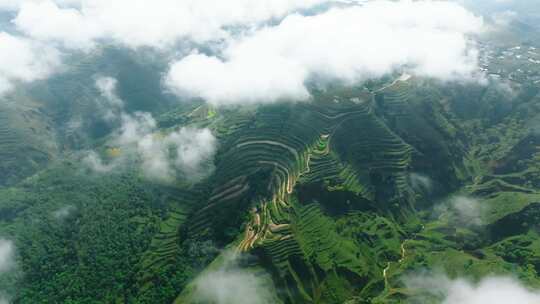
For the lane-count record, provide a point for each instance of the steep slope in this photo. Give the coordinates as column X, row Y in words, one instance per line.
column 300, row 168
column 28, row 140
column 334, row 200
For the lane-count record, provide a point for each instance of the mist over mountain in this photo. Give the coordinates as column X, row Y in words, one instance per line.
column 269, row 151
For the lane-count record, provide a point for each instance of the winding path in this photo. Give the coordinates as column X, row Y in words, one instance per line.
column 403, row 255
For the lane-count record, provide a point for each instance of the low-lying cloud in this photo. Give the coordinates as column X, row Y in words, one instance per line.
column 140, row 23
column 43, row 28
column 94, row 161
column 24, row 60
column 421, row 183
column 7, row 255
column 188, row 152
column 468, row 210
column 230, row 284
column 262, row 51
column 462, row 209
column 15, row 5
column 493, row 290
column 7, row 265
column 504, row 19
column 194, row 148
column 63, row 212
column 185, row 153
column 350, row 44
column 109, row 101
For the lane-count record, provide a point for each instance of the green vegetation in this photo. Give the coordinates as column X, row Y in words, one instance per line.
column 93, row 239
column 336, row 200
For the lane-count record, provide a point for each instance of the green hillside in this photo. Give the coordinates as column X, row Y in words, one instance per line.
column 335, row 200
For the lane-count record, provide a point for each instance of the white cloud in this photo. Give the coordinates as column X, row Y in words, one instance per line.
column 246, row 79
column 63, row 212
column 504, row 19
column 14, row 5
column 7, row 255
column 259, row 60
column 232, row 285
column 137, row 23
column 420, row 182
column 493, row 290
column 10, row 4
column 187, row 151
column 7, row 264
column 107, row 88
column 93, row 161
column 467, row 209
column 46, row 21
column 135, row 126
column 110, row 104
column 195, row 148
column 23, row 60
column 154, row 153
column 462, row 210
column 348, row 44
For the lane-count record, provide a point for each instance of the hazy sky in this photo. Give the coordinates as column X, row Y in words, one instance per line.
column 260, row 51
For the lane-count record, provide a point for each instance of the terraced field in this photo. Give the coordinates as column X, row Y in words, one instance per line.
column 332, row 194
column 291, row 165
column 27, row 142
column 164, row 247
column 8, row 139
column 333, row 200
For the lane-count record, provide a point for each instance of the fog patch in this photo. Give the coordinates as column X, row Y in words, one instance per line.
column 421, row 183
column 230, row 284
column 507, row 89
column 184, row 153
column 7, row 265
column 462, row 209
column 64, row 212
column 494, row 290
column 534, row 125
column 187, row 152
column 7, row 256
column 94, row 161
column 24, row 60
column 134, row 127
column 194, row 149
column 468, row 209
column 504, row 19
column 109, row 103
